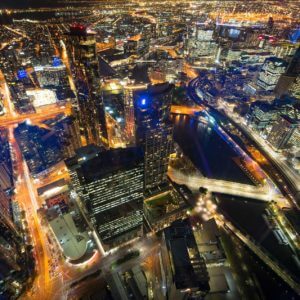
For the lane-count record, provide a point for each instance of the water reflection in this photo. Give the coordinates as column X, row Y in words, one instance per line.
column 210, row 154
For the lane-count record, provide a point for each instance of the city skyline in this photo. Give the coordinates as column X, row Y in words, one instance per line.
column 149, row 150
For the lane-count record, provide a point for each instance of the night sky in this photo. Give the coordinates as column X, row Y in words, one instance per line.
column 26, row 3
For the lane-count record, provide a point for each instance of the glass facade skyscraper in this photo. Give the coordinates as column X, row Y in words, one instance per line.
column 111, row 187
column 154, row 132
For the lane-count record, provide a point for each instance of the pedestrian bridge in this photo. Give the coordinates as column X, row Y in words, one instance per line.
column 194, row 181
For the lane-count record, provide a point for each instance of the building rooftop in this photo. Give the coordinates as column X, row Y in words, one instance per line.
column 56, row 184
column 190, row 271
column 110, row 161
column 73, row 243
column 291, row 120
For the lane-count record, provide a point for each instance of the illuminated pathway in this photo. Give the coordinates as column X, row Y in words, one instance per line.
column 185, row 110
column 261, row 254
column 212, row 211
column 194, row 182
column 276, row 158
column 255, row 167
column 26, row 198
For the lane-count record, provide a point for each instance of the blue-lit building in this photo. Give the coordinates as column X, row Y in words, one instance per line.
column 154, row 132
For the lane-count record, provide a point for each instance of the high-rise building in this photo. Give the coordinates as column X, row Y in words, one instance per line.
column 82, row 43
column 82, row 50
column 112, row 98
column 294, row 89
column 185, row 269
column 289, row 80
column 154, row 131
column 110, row 185
column 6, row 172
column 293, row 68
column 270, row 73
column 67, row 130
column 285, row 132
column 129, row 91
column 40, row 147
column 262, row 115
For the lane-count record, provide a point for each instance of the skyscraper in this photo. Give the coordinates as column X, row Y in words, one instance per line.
column 129, row 92
column 81, row 43
column 154, row 132
column 67, row 131
column 270, row 73
column 40, row 147
column 289, row 80
column 110, row 185
column 285, row 132
column 293, row 68
column 85, row 65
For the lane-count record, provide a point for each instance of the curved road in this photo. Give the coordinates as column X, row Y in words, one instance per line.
column 279, row 174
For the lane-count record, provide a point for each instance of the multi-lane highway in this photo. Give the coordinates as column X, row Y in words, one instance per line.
column 43, row 285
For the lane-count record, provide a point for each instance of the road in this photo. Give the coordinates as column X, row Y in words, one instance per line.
column 273, row 174
column 228, row 226
column 275, row 158
column 52, row 272
column 213, row 211
column 185, row 110
column 43, row 286
column 262, row 255
column 45, row 113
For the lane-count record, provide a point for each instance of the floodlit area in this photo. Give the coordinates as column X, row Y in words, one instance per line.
column 42, row 97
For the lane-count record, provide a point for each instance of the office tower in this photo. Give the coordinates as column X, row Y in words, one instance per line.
column 82, row 43
column 136, row 45
column 5, row 176
column 129, row 91
column 68, row 133
column 270, row 73
column 293, row 68
column 5, row 206
column 184, row 267
column 6, row 172
column 288, row 81
column 294, row 89
column 154, row 132
column 112, row 98
column 97, row 119
column 110, row 185
column 270, row 25
column 85, row 65
column 40, row 147
column 262, row 114
column 285, row 132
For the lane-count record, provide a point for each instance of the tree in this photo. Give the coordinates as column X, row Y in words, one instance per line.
column 203, row 191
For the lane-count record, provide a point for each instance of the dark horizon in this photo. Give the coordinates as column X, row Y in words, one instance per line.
column 23, row 4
